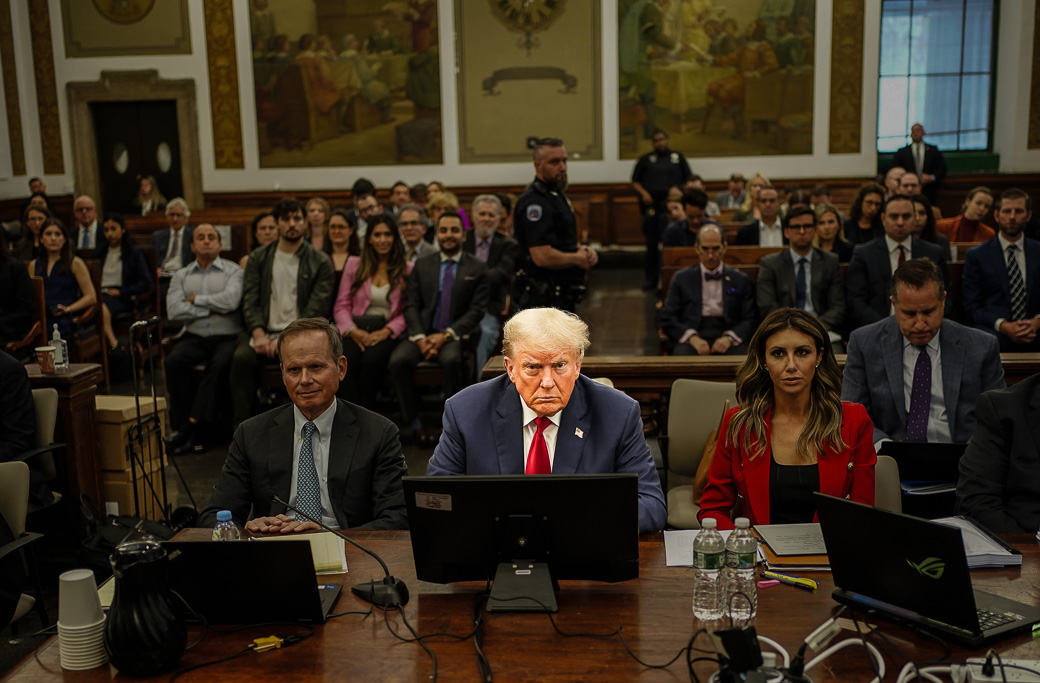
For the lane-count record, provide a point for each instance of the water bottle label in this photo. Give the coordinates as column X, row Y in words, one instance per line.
column 741, row 560
column 216, row 534
column 708, row 560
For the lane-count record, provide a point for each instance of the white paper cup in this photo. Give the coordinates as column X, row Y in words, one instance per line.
column 78, row 601
column 82, row 648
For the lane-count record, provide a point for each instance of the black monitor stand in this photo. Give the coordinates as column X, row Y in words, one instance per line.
column 522, row 585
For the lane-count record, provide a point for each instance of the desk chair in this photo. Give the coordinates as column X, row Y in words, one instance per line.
column 694, row 407
column 14, row 500
column 46, row 403
column 887, row 493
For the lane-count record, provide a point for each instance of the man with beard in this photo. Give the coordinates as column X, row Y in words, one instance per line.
column 552, row 265
column 498, row 251
column 284, row 280
column 656, row 172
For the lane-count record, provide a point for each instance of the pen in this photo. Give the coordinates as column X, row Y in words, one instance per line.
column 807, row 584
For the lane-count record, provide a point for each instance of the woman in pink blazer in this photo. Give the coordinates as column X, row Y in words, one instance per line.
column 369, row 309
column 791, row 435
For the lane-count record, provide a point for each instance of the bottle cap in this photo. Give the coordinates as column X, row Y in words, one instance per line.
column 224, row 516
column 710, row 523
column 742, row 522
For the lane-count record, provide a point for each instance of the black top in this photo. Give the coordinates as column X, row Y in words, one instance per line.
column 543, row 216
column 842, row 249
column 790, row 492
column 659, row 171
column 857, row 235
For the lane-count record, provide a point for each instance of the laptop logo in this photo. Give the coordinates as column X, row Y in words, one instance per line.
column 932, row 567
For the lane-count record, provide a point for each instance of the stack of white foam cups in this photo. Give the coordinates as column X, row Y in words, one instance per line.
column 81, row 623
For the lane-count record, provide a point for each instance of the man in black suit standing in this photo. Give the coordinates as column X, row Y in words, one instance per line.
column 868, row 283
column 769, row 230
column 710, row 307
column 923, row 159
column 331, row 459
column 446, row 298
column 498, row 251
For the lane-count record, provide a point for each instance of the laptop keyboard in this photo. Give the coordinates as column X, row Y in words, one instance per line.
column 988, row 620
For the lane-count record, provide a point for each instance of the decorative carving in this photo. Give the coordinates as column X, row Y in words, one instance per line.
column 1034, row 105
column 223, row 84
column 46, row 90
column 14, row 112
column 846, row 118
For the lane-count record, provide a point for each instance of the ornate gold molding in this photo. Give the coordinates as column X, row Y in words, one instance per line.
column 846, row 118
column 1034, row 106
column 46, row 90
column 225, row 110
column 11, row 98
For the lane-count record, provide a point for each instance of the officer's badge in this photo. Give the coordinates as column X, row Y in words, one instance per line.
column 675, row 157
column 653, row 158
column 534, row 212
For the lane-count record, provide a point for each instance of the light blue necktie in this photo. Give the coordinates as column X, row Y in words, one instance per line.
column 308, row 495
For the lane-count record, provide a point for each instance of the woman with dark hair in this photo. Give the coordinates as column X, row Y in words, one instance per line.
column 124, row 273
column 924, row 224
column 791, row 434
column 830, row 232
column 18, row 303
column 263, row 231
column 341, row 242
column 67, row 288
column 369, row 310
column 864, row 223
column 29, row 248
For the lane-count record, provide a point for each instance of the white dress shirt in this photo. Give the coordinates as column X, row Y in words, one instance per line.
column 321, row 442
column 530, row 429
column 938, row 423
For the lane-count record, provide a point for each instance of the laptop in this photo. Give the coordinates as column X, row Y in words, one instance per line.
column 913, row 570
column 925, row 461
column 244, row 582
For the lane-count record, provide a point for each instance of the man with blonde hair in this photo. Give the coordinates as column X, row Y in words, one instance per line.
column 544, row 417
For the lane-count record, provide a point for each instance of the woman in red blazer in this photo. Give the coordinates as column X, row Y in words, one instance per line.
column 791, row 435
column 369, row 309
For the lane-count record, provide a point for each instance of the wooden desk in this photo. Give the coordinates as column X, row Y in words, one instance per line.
column 655, row 611
column 77, row 424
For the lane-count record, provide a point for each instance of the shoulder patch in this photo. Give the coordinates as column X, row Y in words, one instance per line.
column 534, row 212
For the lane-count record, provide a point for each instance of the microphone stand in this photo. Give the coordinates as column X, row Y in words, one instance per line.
column 389, row 592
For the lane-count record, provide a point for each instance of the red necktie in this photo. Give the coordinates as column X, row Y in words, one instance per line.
column 902, row 255
column 538, row 456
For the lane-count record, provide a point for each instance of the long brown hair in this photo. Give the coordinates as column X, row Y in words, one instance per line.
column 66, row 255
column 755, row 390
column 396, row 265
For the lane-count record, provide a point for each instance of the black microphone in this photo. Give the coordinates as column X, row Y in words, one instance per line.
column 389, row 592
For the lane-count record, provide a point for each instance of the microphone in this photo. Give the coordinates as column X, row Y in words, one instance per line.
column 389, row 592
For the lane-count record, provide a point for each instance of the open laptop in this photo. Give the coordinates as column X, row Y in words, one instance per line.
column 925, row 461
column 913, row 570
column 242, row 582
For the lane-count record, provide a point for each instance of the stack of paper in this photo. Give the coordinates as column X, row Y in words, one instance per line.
column 982, row 548
column 678, row 546
column 793, row 547
column 328, row 550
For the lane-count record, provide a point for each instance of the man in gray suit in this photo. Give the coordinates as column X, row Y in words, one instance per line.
column 802, row 276
column 918, row 375
column 331, row 459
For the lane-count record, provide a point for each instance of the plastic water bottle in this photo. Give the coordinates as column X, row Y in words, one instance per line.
column 709, row 553
column 225, row 530
column 741, row 558
column 61, row 350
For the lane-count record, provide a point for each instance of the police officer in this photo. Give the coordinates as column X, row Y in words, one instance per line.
column 654, row 174
column 552, row 265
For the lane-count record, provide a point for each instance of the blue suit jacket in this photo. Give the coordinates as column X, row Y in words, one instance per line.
column 868, row 283
column 874, row 375
column 985, row 289
column 483, row 434
column 682, row 307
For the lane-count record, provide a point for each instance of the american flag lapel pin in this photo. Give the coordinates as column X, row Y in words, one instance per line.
column 578, row 433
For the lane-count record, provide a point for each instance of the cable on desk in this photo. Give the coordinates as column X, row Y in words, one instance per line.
column 422, row 644
column 199, row 617
column 180, row 672
column 895, row 648
column 365, row 614
column 483, row 664
column 841, row 645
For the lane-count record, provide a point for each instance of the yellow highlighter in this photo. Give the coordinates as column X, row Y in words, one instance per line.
column 807, row 584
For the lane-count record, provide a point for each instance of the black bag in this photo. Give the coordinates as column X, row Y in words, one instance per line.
column 108, row 531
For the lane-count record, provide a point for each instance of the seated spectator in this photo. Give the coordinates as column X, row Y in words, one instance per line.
column 683, row 232
column 419, row 192
column 438, row 204
column 341, row 243
column 400, row 195
column 768, row 230
column 362, row 188
column 695, row 182
column 149, row 198
column 124, row 273
column 796, row 198
column 317, row 210
column 999, row 474
column 505, row 227
column 369, row 309
column 830, row 232
column 412, row 223
column 67, row 288
column 820, row 194
column 733, row 196
column 924, row 224
column 18, row 303
column 29, row 248
column 864, row 222
column 802, row 276
column 437, row 187
column 283, row 281
column 968, row 227
column 710, row 307
column 917, row 374
column 173, row 245
column 367, row 207
column 909, row 184
column 868, row 283
column 791, row 434
column 891, row 180
column 1001, row 280
column 264, row 230
column 446, row 298
column 206, row 294
column 748, row 209
column 499, row 253
column 675, row 210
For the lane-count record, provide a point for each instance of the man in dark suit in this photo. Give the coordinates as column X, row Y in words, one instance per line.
column 923, row 159
column 803, row 277
column 498, row 251
column 88, row 232
column 869, row 280
column 411, row 220
column 331, row 459
column 173, row 244
column 1000, row 470
column 447, row 296
column 995, row 297
column 544, row 417
column 769, row 230
column 918, row 375
column 710, row 308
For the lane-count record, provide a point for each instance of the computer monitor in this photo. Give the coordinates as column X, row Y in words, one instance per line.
column 524, row 532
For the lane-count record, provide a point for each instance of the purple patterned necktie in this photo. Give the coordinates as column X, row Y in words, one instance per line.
column 920, row 398
column 444, row 307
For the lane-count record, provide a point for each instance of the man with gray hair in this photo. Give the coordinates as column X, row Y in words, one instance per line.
column 411, row 221
column 544, row 417
column 87, row 229
column 173, row 244
column 498, row 251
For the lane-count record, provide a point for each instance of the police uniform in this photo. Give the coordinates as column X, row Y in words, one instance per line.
column 657, row 172
column 543, row 216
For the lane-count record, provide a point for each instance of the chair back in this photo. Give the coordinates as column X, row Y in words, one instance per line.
column 887, row 493
column 46, row 402
column 14, row 494
column 694, row 409
column 605, row 381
